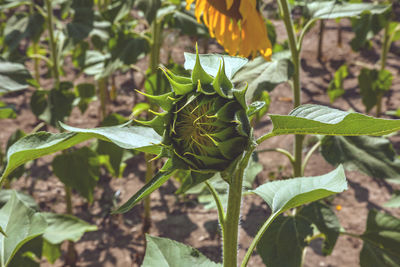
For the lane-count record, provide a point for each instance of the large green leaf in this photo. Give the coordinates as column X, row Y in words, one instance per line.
column 263, row 75
column 335, row 9
column 28, row 254
column 381, row 241
column 164, row 252
column 63, row 227
column 13, row 77
column 211, row 63
column 284, row 241
column 316, row 119
column 39, row 144
column 20, row 224
column 373, row 156
column 326, row 222
column 286, row 194
column 79, row 170
column 141, row 138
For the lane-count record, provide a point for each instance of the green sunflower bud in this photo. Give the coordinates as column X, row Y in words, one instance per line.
column 205, row 124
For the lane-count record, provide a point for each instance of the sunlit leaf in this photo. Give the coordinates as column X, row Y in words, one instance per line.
column 63, row 227
column 286, row 194
column 168, row 253
column 316, row 119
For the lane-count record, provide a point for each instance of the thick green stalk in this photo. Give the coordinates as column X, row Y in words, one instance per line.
column 385, row 50
column 231, row 225
column 286, row 16
column 53, row 49
column 156, row 42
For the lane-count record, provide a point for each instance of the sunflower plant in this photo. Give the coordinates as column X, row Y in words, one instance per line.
column 203, row 129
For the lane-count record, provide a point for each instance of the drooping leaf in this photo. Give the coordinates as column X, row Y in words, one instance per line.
column 286, row 194
column 211, row 62
column 21, row 224
column 13, row 77
column 149, row 8
column 373, row 156
column 381, row 241
column 283, row 242
column 263, row 75
column 62, row 227
column 140, row 138
column 79, row 170
column 334, row 9
column 326, row 222
column 316, row 119
column 39, row 144
column 168, row 253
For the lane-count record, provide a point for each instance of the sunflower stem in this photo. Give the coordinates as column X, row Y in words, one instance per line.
column 53, row 49
column 218, row 203
column 295, row 51
column 385, row 50
column 231, row 224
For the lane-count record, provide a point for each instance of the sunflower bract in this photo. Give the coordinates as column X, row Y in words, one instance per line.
column 204, row 123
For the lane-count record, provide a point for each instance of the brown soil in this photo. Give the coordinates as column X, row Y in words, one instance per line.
column 119, row 240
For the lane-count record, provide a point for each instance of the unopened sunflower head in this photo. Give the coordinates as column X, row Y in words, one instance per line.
column 204, row 123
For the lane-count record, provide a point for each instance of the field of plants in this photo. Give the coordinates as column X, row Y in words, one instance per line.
column 199, row 133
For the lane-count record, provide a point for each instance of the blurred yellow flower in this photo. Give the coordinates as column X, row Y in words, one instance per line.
column 236, row 24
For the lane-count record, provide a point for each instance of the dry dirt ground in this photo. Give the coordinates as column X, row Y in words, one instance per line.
column 119, row 241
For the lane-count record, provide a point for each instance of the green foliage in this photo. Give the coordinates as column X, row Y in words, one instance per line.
column 169, row 253
column 79, row 170
column 326, row 222
column 85, row 93
column 372, row 83
column 286, row 194
column 13, row 77
column 316, row 119
column 334, row 10
column 54, row 105
column 283, row 242
column 39, row 144
column 7, row 112
column 63, row 227
column 336, row 88
column 263, row 75
column 373, row 156
column 6, row 195
column 381, row 241
column 20, row 224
